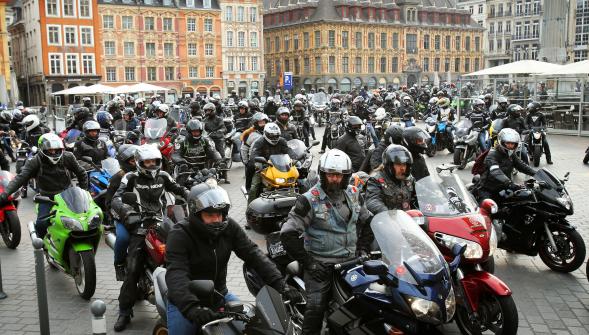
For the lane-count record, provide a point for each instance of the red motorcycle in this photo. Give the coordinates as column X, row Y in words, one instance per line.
column 9, row 222
column 449, row 214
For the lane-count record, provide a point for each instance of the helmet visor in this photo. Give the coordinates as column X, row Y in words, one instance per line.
column 213, row 199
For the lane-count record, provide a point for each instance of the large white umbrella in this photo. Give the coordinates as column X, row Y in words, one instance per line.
column 519, row 67
column 143, row 87
column 78, row 90
column 579, row 68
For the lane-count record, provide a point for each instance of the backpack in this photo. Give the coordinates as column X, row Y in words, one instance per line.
column 479, row 163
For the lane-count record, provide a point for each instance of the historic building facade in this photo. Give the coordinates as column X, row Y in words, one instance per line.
column 5, row 76
column 54, row 46
column 243, row 66
column 174, row 44
column 346, row 44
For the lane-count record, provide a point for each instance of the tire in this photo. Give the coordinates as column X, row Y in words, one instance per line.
column 586, row 159
column 489, row 265
column 11, row 234
column 458, row 157
column 160, row 328
column 85, row 276
column 569, row 242
column 507, row 324
column 228, row 156
column 431, row 150
column 450, row 145
column 537, row 155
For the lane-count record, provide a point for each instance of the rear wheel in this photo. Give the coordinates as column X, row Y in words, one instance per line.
column 496, row 315
column 160, row 328
column 586, row 159
column 570, row 253
column 11, row 229
column 458, row 153
column 228, row 156
column 537, row 155
column 85, row 274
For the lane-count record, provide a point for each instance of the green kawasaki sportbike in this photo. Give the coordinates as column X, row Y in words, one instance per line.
column 73, row 236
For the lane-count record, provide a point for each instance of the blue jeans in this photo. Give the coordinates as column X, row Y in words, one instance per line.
column 121, row 243
column 179, row 325
column 372, row 133
column 42, row 225
column 482, row 142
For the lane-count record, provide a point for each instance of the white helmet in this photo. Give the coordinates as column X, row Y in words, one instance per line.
column 147, row 152
column 380, row 113
column 48, row 142
column 338, row 162
column 272, row 133
column 163, row 108
column 139, row 101
column 31, row 122
column 508, row 135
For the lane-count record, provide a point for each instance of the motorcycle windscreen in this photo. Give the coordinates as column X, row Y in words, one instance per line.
column 76, row 199
column 444, row 196
column 319, row 98
column 298, row 148
column 555, row 188
column 155, row 128
column 405, row 247
column 463, row 127
column 5, row 179
column 281, row 162
column 497, row 125
column 111, row 166
column 120, row 124
column 271, row 311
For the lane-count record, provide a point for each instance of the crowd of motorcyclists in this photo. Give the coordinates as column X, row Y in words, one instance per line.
column 370, row 132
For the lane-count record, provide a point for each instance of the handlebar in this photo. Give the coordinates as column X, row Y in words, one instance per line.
column 355, row 261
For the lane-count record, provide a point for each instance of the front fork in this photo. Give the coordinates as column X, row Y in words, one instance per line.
column 463, row 298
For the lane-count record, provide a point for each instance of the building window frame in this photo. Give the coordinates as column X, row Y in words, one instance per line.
column 151, row 72
column 57, row 59
column 55, row 8
column 111, row 74
column 72, row 30
column 71, row 4
column 108, row 50
column 130, row 73
column 85, row 7
column 87, row 31
column 51, row 34
column 72, row 57
column 88, row 57
column 191, row 24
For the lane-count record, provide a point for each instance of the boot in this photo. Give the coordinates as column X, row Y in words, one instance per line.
column 120, row 272
column 122, row 322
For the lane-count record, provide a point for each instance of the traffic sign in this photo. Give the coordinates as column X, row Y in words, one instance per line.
column 287, row 80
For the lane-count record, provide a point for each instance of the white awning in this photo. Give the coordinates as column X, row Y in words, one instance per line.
column 578, row 68
column 519, row 67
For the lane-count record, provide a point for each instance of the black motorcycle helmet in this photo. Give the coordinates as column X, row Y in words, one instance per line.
column 534, row 107
column 393, row 135
column 194, row 108
column 478, row 106
column 488, row 99
column 514, row 111
column 354, row 125
column 416, row 139
column 124, row 155
column 193, row 125
column 133, row 137
column 396, row 154
column 208, row 197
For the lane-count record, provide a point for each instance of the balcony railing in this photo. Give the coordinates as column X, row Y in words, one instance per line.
column 499, row 14
column 520, row 37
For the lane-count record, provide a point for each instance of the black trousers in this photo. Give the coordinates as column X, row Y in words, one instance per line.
column 318, row 295
column 135, row 262
column 250, row 171
column 4, row 164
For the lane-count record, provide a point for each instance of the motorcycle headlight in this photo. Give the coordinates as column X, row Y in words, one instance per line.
column 565, row 200
column 280, row 180
column 95, row 222
column 71, row 224
column 473, row 249
column 425, row 310
column 450, row 304
column 492, row 241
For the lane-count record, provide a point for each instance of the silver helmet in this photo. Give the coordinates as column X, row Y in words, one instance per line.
column 148, row 152
column 508, row 135
column 335, row 162
column 272, row 133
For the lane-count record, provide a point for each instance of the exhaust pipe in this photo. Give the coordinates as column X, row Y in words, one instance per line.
column 244, row 191
column 110, row 240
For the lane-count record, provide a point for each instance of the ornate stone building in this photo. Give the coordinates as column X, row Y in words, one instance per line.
column 174, row 44
column 243, row 69
column 346, row 44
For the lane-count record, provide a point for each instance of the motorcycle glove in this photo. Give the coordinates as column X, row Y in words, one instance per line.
column 291, row 294
column 202, row 315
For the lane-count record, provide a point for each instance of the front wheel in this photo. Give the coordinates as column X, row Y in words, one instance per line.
column 586, row 159
column 537, row 154
column 458, row 153
column 570, row 253
column 11, row 230
column 496, row 315
column 228, row 156
column 85, row 274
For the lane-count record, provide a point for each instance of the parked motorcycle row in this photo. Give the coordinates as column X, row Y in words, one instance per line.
column 434, row 265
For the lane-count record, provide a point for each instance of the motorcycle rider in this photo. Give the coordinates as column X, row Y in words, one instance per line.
column 335, row 228
column 287, row 130
column 87, row 102
column 34, row 129
column 148, row 183
column 162, row 112
column 349, row 143
column 415, row 139
column 126, row 158
column 479, row 114
column 271, row 144
column 195, row 150
column 299, row 116
column 248, row 138
column 195, row 112
column 139, row 106
column 392, row 186
column 270, row 108
column 333, row 108
column 445, row 112
column 488, row 99
column 51, row 167
column 393, row 135
column 499, row 111
column 129, row 120
column 199, row 248
column 499, row 165
column 90, row 145
column 243, row 117
column 215, row 128
column 81, row 116
column 536, row 119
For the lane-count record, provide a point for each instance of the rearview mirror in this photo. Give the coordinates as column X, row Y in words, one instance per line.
column 566, row 176
column 375, row 268
column 129, row 198
column 41, row 199
column 314, row 143
column 260, row 160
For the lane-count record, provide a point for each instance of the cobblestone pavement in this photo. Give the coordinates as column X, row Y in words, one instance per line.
column 548, row 302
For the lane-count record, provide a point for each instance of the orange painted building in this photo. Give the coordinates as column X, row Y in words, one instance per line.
column 55, row 46
column 176, row 45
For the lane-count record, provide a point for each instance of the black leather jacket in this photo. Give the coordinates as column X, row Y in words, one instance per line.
column 215, row 127
column 288, row 131
column 383, row 193
column 536, row 120
column 97, row 150
column 498, row 169
column 261, row 148
column 196, row 152
column 242, row 121
column 518, row 124
column 51, row 178
column 350, row 145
